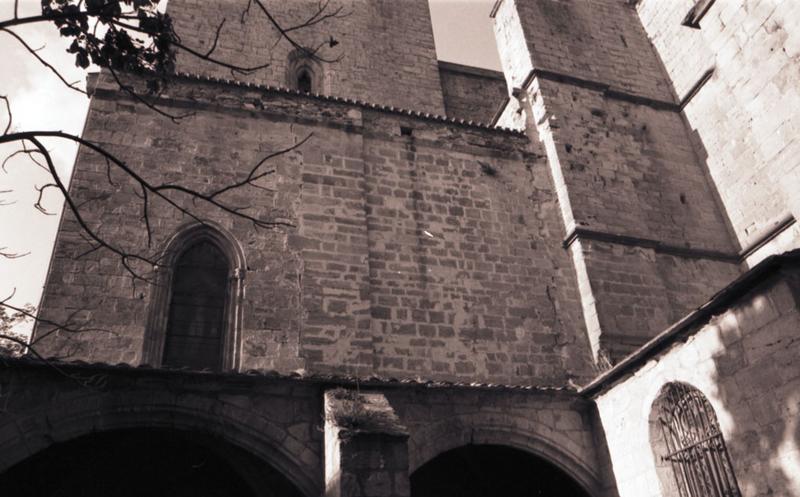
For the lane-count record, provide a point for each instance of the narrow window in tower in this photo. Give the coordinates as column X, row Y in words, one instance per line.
column 692, row 458
column 196, row 321
column 304, row 80
column 697, row 12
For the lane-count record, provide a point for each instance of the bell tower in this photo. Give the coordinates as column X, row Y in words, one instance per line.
column 377, row 51
column 641, row 221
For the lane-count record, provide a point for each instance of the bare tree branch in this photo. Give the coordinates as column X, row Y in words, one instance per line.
column 136, row 96
column 204, row 56
column 312, row 53
column 147, row 188
column 52, row 69
column 138, row 40
column 26, row 346
column 4, row 98
column 38, row 204
column 11, row 255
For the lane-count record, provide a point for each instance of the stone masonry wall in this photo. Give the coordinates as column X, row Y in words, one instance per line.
column 745, row 116
column 635, row 201
column 630, row 169
column 408, row 246
column 558, row 426
column 596, row 40
column 466, row 274
column 278, row 421
column 385, row 53
column 275, row 420
column 639, row 292
column 744, row 361
column 471, row 93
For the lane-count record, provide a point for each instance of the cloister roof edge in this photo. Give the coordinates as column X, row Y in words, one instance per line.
column 690, row 324
column 65, row 367
column 331, row 98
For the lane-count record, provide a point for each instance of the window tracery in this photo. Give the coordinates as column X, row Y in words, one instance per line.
column 195, row 305
column 692, row 445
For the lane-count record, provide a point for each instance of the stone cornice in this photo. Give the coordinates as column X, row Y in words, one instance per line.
column 656, row 245
column 185, row 77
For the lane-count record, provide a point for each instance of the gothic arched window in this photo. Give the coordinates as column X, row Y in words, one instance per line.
column 304, row 73
column 196, row 320
column 195, row 305
column 691, row 456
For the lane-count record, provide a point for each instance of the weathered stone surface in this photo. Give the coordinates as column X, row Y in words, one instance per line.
column 366, row 446
column 470, row 93
column 392, row 262
column 411, row 246
column 633, row 196
column 385, row 51
column 745, row 116
column 745, row 362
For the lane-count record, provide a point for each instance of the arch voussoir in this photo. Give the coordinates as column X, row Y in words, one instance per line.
column 437, row 438
column 24, row 435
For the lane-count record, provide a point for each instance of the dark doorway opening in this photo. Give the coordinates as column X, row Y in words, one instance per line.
column 490, row 471
column 145, row 462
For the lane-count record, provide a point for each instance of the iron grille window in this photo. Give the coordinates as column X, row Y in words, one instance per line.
column 695, row 446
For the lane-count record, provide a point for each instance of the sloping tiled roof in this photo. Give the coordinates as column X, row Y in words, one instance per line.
column 344, row 100
column 299, row 375
column 692, row 322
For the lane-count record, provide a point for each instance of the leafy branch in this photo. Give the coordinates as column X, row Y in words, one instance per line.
column 132, row 36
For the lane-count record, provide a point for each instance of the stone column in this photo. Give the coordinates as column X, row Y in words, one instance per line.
column 366, row 447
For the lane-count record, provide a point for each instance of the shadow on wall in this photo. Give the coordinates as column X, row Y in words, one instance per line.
column 755, row 392
column 758, row 380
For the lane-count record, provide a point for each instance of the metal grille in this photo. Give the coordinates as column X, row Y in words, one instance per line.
column 695, row 447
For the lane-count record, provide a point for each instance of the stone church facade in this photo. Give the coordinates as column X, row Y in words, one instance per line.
column 574, row 277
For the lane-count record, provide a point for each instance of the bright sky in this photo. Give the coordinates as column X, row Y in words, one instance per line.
column 39, row 101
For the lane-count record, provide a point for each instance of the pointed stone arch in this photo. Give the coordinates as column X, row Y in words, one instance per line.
column 161, row 296
column 304, row 73
column 88, row 412
column 439, row 438
column 490, row 469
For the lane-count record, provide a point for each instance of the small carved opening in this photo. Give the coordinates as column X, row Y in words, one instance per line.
column 304, row 80
column 196, row 321
column 697, row 12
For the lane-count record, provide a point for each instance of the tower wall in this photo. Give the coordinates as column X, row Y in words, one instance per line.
column 647, row 236
column 471, row 93
column 411, row 247
column 594, row 40
column 385, row 52
column 745, row 115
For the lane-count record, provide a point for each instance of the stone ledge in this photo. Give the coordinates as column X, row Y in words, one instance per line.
column 300, row 376
column 344, row 100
